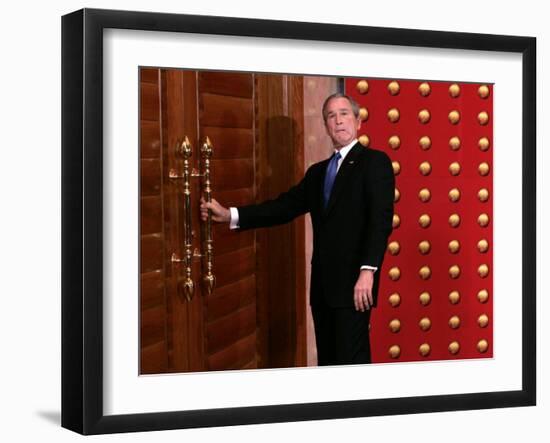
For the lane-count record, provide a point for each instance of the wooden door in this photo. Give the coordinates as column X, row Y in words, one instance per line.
column 226, row 117
column 246, row 322
column 154, row 277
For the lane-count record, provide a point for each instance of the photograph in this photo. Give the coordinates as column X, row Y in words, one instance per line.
column 395, row 267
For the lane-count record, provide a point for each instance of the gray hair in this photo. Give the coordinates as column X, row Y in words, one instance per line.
column 352, row 102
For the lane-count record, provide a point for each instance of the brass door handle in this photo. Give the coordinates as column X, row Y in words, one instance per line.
column 208, row 243
column 184, row 150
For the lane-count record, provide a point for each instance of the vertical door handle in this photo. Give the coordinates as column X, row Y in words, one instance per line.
column 184, row 150
column 208, row 243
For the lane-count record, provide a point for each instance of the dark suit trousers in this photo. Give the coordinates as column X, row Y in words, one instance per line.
column 341, row 334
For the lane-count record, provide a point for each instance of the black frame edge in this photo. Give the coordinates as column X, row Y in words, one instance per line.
column 310, row 411
column 72, row 365
column 293, row 30
column 93, row 222
column 529, row 219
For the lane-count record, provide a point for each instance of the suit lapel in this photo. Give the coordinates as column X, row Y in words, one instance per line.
column 344, row 174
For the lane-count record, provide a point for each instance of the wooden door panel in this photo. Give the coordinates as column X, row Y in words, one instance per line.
column 232, row 173
column 235, row 197
column 153, row 338
column 231, row 142
column 234, row 266
column 225, row 331
column 177, row 322
column 195, row 320
column 226, row 83
column 228, row 241
column 149, row 75
column 226, row 103
column 231, row 298
column 179, row 120
column 153, row 325
column 153, row 343
column 149, row 139
column 151, row 178
column 226, row 112
column 151, row 289
column 240, row 355
column 151, row 211
column 154, row 358
column 149, row 102
column 152, row 249
column 280, row 250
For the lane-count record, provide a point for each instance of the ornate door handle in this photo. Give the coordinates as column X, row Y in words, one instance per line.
column 208, row 244
column 184, row 150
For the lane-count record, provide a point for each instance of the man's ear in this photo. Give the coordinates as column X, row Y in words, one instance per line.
column 358, row 123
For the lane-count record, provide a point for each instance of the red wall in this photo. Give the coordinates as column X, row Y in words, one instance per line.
column 409, row 181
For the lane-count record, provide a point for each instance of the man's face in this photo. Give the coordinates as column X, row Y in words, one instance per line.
column 341, row 123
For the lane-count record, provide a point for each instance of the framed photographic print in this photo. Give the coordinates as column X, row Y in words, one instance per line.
column 177, row 318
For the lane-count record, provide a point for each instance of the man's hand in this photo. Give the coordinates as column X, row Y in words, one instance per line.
column 362, row 292
column 219, row 213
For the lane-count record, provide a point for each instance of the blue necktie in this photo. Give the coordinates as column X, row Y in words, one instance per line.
column 330, row 176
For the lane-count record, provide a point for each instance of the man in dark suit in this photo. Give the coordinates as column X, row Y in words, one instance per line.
column 350, row 199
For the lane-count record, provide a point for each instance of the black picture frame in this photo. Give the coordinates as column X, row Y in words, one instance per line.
column 82, row 218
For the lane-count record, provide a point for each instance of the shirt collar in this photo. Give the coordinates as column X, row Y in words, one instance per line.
column 344, row 151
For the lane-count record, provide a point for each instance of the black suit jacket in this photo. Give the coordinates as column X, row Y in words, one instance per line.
column 352, row 231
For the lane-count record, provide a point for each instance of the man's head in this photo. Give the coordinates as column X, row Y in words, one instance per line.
column 341, row 115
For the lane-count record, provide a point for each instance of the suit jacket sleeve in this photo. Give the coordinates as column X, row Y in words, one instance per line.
column 380, row 189
column 282, row 209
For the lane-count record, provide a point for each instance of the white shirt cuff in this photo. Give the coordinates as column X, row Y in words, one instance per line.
column 234, row 223
column 372, row 268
